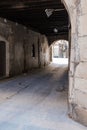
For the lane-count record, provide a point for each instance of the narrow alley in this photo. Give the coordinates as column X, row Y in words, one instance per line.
column 37, row 101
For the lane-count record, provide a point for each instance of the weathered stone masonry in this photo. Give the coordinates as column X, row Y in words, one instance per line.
column 19, row 41
column 22, row 54
column 77, row 10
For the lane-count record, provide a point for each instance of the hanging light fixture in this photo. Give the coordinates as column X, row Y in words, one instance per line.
column 55, row 30
column 49, row 12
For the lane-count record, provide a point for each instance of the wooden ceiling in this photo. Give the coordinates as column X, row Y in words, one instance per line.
column 31, row 13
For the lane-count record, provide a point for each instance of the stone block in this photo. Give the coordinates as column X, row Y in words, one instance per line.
column 72, row 55
column 81, row 115
column 70, row 86
column 81, row 84
column 81, row 98
column 73, row 40
column 82, row 41
column 82, row 28
column 84, row 6
column 73, row 21
column 81, row 70
column 71, row 71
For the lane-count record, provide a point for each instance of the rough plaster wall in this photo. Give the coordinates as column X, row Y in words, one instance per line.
column 31, row 62
column 77, row 10
column 46, row 47
column 44, row 51
column 20, row 46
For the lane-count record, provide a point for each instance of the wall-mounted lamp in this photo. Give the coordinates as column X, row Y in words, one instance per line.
column 49, row 12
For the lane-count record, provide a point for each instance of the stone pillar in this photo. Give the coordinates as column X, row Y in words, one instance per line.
column 77, row 10
column 81, row 69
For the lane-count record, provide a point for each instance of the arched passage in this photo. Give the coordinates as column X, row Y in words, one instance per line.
column 60, row 50
column 77, row 11
column 78, row 57
column 59, row 57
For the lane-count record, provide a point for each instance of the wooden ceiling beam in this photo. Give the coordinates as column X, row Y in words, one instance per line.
column 11, row 2
column 31, row 13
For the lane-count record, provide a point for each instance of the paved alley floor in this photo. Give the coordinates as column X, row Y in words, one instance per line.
column 37, row 101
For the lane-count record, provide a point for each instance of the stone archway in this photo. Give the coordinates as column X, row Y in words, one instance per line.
column 77, row 10
column 59, row 49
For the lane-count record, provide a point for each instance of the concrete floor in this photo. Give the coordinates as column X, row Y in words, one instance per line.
column 37, row 101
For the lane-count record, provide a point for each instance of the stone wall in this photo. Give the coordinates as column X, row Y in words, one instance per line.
column 20, row 43
column 77, row 10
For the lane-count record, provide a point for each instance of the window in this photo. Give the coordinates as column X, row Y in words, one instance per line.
column 33, row 50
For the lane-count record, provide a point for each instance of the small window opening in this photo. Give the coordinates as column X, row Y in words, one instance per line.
column 33, row 50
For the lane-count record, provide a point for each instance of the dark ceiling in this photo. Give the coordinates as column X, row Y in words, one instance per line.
column 31, row 13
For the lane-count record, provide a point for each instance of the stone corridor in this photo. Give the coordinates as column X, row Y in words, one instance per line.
column 37, row 101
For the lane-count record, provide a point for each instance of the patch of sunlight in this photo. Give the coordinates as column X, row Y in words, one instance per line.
column 60, row 61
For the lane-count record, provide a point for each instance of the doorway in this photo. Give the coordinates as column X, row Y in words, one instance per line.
column 60, row 52
column 2, row 58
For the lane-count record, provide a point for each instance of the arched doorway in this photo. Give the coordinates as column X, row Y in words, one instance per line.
column 60, row 51
column 2, row 58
